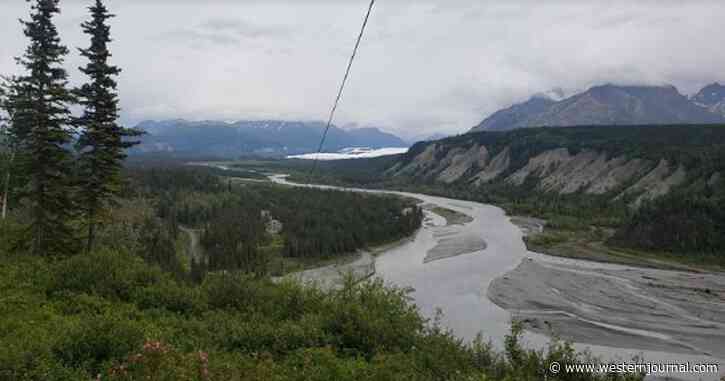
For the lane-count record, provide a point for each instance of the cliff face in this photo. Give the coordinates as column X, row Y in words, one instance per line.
column 582, row 160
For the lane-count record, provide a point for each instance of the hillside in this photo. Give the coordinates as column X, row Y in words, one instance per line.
column 591, row 160
column 612, row 105
column 272, row 138
column 632, row 179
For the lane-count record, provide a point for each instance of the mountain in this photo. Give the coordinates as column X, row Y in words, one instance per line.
column 375, row 138
column 516, row 115
column 605, row 105
column 264, row 137
column 712, row 98
column 426, row 138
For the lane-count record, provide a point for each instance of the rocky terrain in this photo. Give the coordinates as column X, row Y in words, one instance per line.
column 621, row 163
column 650, row 309
column 613, row 105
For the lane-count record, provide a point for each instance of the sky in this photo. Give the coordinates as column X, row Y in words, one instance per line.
column 424, row 67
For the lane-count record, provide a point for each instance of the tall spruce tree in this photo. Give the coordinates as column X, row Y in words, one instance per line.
column 7, row 151
column 103, row 141
column 39, row 121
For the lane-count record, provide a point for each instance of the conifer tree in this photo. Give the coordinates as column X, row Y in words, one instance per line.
column 7, row 146
column 103, row 141
column 39, row 121
column 5, row 151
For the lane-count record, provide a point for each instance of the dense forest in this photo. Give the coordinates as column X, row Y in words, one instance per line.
column 232, row 217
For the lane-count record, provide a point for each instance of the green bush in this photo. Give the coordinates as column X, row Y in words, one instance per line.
column 109, row 274
column 171, row 296
column 94, row 341
column 138, row 323
column 370, row 318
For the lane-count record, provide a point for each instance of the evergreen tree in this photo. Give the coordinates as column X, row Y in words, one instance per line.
column 7, row 144
column 39, row 121
column 103, row 142
column 6, row 155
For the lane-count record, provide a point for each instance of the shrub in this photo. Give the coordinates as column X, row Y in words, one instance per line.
column 369, row 318
column 171, row 296
column 94, row 341
column 109, row 274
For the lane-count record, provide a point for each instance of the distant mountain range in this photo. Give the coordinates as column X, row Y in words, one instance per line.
column 612, row 105
column 426, row 138
column 712, row 98
column 265, row 137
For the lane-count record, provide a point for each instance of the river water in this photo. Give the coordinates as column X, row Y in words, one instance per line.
column 458, row 286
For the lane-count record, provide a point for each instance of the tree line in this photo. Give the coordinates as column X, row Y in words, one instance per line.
column 61, row 170
column 232, row 217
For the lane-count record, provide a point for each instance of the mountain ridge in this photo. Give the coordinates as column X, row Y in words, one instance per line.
column 712, row 98
column 635, row 163
column 610, row 104
column 254, row 137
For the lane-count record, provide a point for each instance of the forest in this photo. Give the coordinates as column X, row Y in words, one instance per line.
column 232, row 216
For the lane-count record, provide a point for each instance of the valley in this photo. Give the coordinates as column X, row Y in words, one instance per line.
column 649, row 191
column 662, row 316
column 197, row 191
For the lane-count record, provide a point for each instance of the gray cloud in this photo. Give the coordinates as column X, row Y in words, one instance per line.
column 438, row 65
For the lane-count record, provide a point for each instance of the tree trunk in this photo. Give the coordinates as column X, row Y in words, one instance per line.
column 6, row 191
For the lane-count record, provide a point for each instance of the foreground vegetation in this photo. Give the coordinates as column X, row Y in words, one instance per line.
column 109, row 313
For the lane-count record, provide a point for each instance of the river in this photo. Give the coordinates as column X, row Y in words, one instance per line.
column 460, row 288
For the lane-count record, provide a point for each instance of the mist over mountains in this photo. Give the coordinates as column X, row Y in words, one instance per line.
column 263, row 137
column 604, row 105
column 613, row 105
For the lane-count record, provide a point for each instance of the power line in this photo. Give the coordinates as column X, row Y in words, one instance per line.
column 342, row 86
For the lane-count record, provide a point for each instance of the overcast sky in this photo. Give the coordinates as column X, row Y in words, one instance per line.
column 424, row 66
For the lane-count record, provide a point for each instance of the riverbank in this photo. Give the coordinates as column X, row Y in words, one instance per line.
column 358, row 266
column 361, row 265
column 590, row 243
column 617, row 306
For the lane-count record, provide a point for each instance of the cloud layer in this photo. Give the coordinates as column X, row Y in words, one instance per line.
column 424, row 66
